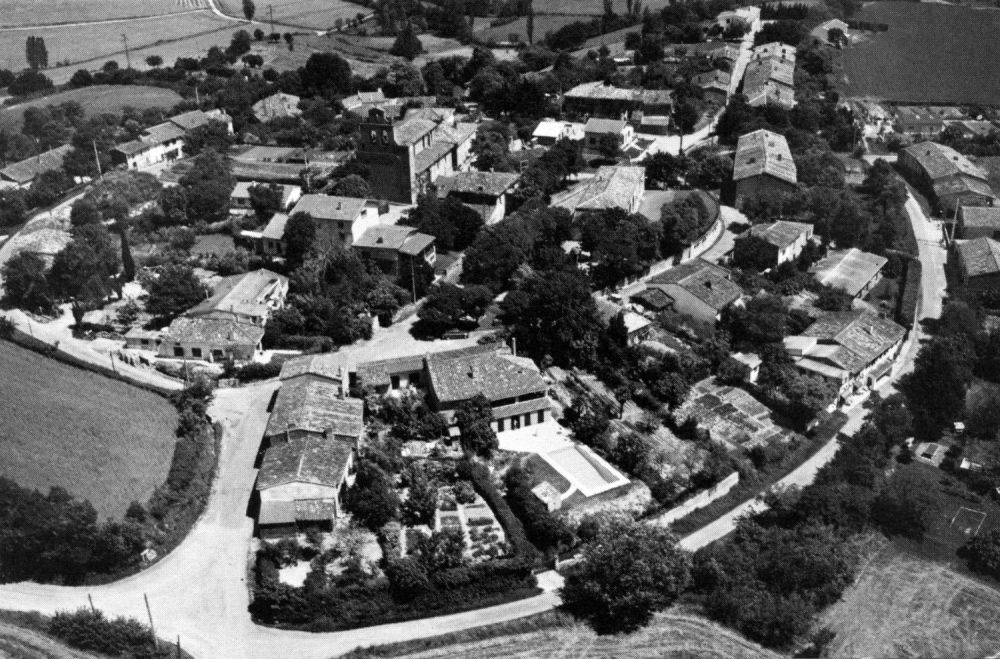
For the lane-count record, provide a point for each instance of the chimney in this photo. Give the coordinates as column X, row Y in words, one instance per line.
column 472, row 371
column 340, row 205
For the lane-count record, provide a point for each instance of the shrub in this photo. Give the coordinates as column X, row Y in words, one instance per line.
column 464, row 492
column 479, row 475
column 543, row 528
column 90, row 630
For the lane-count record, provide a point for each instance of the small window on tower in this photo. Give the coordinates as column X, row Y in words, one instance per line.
column 374, row 136
column 385, row 137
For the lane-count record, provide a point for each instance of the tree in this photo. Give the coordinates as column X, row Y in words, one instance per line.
column 836, row 36
column 29, row 82
column 627, row 573
column 752, row 252
column 240, row 44
column 213, row 135
column 448, row 307
column 175, row 290
column 474, row 418
column 607, row 145
column 208, row 185
column 26, row 284
column 265, row 200
column 442, row 550
column 128, row 261
column 326, row 74
column 936, row 387
column 249, row 9
column 81, row 78
column 372, row 500
column 290, row 40
column 983, row 554
column 300, row 236
column 407, row 44
column 36, row 53
column 13, row 207
column 84, row 270
column 530, row 23
column 351, row 185
column 83, row 212
column 154, row 61
column 421, row 498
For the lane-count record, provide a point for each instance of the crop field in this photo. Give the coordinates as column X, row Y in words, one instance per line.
column 311, row 14
column 57, row 12
column 95, row 100
column 904, row 606
column 932, row 53
column 98, row 438
column 543, row 24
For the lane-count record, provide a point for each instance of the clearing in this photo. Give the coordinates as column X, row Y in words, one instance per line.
column 98, row 438
column 310, row 14
column 932, row 53
column 58, row 12
column 904, row 606
column 95, row 100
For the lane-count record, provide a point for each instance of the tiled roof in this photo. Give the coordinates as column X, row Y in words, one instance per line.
column 277, row 105
column 133, row 147
column 775, row 49
column 162, row 133
column 611, row 187
column 458, row 378
column 377, row 372
column 409, row 131
column 760, row 71
column 432, row 114
column 247, row 294
column 460, row 133
column 713, row 79
column 706, row 281
column 430, row 155
column 269, row 153
column 979, row 257
column 191, row 119
column 331, row 365
column 26, row 170
column 771, row 93
column 268, row 171
column 604, row 126
column 275, row 229
column 326, row 207
column 850, row 270
column 403, row 239
column 299, row 510
column 353, row 101
column 493, row 184
column 939, row 161
column 862, row 336
column 213, row 331
column 781, row 233
column 981, row 217
column 315, row 460
column 317, row 407
column 764, row 152
column 962, row 184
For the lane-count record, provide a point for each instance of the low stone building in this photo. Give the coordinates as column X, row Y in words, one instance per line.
column 211, row 339
column 979, row 263
column 484, row 192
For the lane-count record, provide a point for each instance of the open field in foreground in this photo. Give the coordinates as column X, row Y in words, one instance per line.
column 56, row 12
column 934, row 53
column 98, row 438
column 904, row 606
column 95, row 100
column 557, row 635
column 313, row 14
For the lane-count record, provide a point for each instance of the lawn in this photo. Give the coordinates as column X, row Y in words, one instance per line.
column 100, row 439
column 904, row 606
column 311, row 14
column 57, row 12
column 932, row 53
column 95, row 100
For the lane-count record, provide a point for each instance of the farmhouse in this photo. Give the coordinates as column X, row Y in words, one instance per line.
column 247, row 298
column 748, row 15
column 786, row 239
column 396, row 248
column 850, row 270
column 948, row 175
column 312, row 408
column 774, row 50
column 406, row 156
column 277, row 106
column 355, row 101
column 239, row 199
column 978, row 222
column 211, row 339
column 549, row 131
column 165, row 141
column 484, row 192
column 697, row 288
column 24, row 172
column 969, row 128
column 339, row 220
column 709, row 50
column 764, row 165
column 602, row 99
column 611, row 187
column 852, row 349
column 918, row 122
column 979, row 263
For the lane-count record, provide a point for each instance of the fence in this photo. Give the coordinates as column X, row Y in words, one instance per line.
column 699, row 500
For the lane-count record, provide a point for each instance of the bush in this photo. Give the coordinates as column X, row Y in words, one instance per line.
column 90, row 630
column 543, row 528
column 479, row 475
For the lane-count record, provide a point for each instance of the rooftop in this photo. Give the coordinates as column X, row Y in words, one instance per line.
column 248, row 294
column 862, row 336
column 276, row 106
column 213, row 331
column 782, row 233
column 849, row 270
column 600, row 91
column 980, row 256
column 275, row 229
column 759, row 71
column 604, row 126
column 706, row 281
column 962, row 184
column 24, row 171
column 329, row 365
column 430, row 155
column 315, row 460
column 403, row 239
column 764, row 152
column 493, row 374
column 981, row 217
column 410, row 131
column 317, row 407
column 326, row 207
column 939, row 161
column 491, row 184
column 611, row 187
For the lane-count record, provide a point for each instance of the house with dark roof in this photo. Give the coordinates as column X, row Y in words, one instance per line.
column 697, row 288
column 596, row 129
column 785, row 239
column 979, row 263
column 978, row 222
column 24, row 172
column 947, row 176
column 211, row 339
column 310, row 407
column 165, row 141
column 612, row 186
column 714, row 86
column 769, row 81
column 339, row 220
column 485, row 192
column 763, row 166
column 277, row 106
column 250, row 297
column 918, row 122
column 407, row 156
column 396, row 247
column 849, row 270
column 602, row 99
column 852, row 349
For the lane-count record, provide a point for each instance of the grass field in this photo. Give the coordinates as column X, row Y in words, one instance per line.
column 557, row 635
column 56, row 12
column 543, row 24
column 904, row 606
column 312, row 14
column 95, row 100
column 100, row 439
column 933, row 53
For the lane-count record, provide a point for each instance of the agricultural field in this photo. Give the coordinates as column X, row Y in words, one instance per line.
column 95, row 100
column 543, row 23
column 309, row 14
column 904, row 606
column 59, row 12
column 932, row 53
column 99, row 438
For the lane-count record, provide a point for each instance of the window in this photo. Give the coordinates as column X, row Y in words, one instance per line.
column 217, row 355
column 373, row 136
column 178, row 351
column 196, row 352
column 527, row 419
column 385, row 136
column 499, row 425
column 145, row 342
column 515, row 422
column 394, row 380
column 541, row 416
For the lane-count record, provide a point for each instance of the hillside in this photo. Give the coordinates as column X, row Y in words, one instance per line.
column 95, row 100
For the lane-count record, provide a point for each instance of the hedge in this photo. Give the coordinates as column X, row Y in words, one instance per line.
column 479, row 475
column 910, row 297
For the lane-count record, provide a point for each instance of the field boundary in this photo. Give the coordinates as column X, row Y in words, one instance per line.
column 106, row 21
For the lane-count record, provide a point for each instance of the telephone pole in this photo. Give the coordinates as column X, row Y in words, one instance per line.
column 152, row 630
column 270, row 10
column 128, row 60
column 97, row 160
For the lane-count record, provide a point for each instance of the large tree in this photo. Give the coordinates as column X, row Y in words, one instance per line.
column 84, row 270
column 407, row 44
column 249, row 9
column 300, row 237
column 174, row 290
column 208, row 185
column 26, row 284
column 474, row 419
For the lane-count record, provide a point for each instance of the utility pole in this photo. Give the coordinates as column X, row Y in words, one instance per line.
column 413, row 281
column 128, row 60
column 152, row 630
column 97, row 159
column 270, row 10
column 91, row 600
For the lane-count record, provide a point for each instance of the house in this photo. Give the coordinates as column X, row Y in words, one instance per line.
column 918, row 122
column 239, row 199
column 140, row 339
column 750, row 16
column 770, row 81
column 786, row 239
column 947, row 175
column 596, row 129
column 339, row 220
column 774, row 50
column 165, row 141
column 396, row 248
column 979, row 263
column 392, row 374
column 978, row 222
column 277, row 106
column 355, row 101
column 330, row 367
column 24, row 172
column 314, row 408
column 697, row 288
column 405, row 157
column 714, row 86
column 211, row 339
column 969, row 128
column 549, row 131
column 763, row 166
column 637, row 327
column 849, row 270
column 712, row 51
column 247, row 298
column 271, row 241
column 602, row 99
column 752, row 361
column 822, row 31
column 612, row 186
column 485, row 192
column 274, row 164
column 852, row 349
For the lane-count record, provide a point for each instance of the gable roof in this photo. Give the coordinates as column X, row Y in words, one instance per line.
column 604, row 126
column 403, row 239
column 327, row 207
column 25, row 171
column 706, row 281
column 612, row 186
column 409, row 131
column 162, row 133
column 979, row 256
column 759, row 71
column 213, row 331
column 355, row 100
column 493, row 374
column 247, row 294
column 764, row 152
column 939, row 161
column 315, row 460
column 861, row 336
column 781, row 233
column 775, row 50
column 981, row 217
column 713, row 79
column 317, row 407
column 492, row 184
column 849, row 270
column 330, row 365
column 962, row 184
